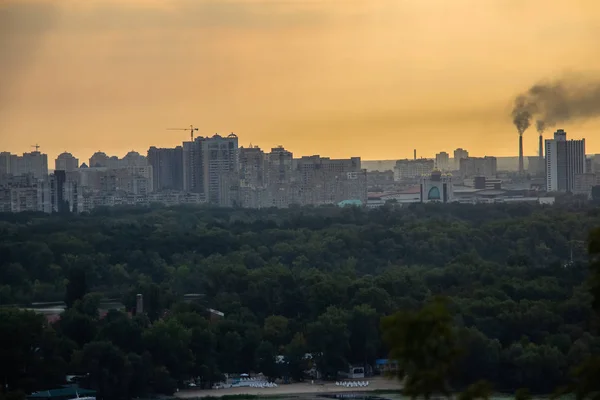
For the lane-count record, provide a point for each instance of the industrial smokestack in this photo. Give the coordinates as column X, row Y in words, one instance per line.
column 521, row 166
column 415, row 154
column 541, row 149
column 139, row 304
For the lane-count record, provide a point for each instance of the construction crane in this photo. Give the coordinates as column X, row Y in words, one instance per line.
column 191, row 129
column 36, row 147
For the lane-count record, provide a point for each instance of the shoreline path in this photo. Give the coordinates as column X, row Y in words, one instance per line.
column 294, row 389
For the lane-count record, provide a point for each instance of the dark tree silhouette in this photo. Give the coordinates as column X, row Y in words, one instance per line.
column 76, row 286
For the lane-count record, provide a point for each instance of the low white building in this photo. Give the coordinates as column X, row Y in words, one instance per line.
column 89, row 200
column 490, row 196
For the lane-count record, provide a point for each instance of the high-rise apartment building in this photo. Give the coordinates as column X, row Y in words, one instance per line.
column 411, row 169
column 564, row 159
column 459, row 154
column 63, row 193
column 34, row 163
column 6, row 160
column 280, row 177
column 442, row 161
column 167, row 168
column 66, row 162
column 280, row 166
column 211, row 167
column 192, row 166
column 478, row 166
column 252, row 190
column 220, row 168
column 252, row 167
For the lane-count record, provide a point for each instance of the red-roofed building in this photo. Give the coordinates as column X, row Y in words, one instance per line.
column 407, row 196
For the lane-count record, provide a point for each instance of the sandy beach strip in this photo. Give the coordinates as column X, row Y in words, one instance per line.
column 375, row 384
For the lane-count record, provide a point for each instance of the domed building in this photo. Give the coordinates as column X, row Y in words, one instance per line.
column 133, row 158
column 437, row 187
column 66, row 162
column 99, row 159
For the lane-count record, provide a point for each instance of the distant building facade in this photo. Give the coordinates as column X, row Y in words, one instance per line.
column 280, row 166
column 478, row 166
column 321, row 180
column 25, row 193
column 89, row 201
column 459, row 154
column 252, row 167
column 132, row 179
column 34, row 163
column 482, row 182
column 211, row 168
column 281, row 178
column 596, row 163
column 167, row 168
column 5, row 163
column 220, row 168
column 411, row 169
column 536, row 166
column 131, row 159
column 442, row 161
column 583, row 183
column 589, row 165
column 380, row 180
column 564, row 159
column 252, row 191
column 192, row 166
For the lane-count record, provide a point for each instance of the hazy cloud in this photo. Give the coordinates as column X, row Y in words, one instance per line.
column 322, row 76
column 22, row 29
column 97, row 16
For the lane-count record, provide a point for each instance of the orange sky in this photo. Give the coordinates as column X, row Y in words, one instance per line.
column 373, row 78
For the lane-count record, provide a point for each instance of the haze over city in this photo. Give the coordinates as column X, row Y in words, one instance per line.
column 373, row 79
column 301, row 199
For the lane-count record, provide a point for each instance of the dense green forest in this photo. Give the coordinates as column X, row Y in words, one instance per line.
column 291, row 282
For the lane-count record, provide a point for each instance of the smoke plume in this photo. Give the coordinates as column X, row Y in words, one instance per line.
column 521, row 114
column 540, row 126
column 553, row 102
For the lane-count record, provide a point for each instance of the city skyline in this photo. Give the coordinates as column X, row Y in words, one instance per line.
column 85, row 157
column 217, row 171
column 370, row 79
